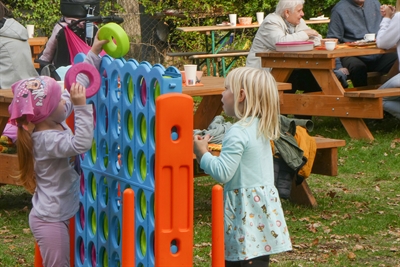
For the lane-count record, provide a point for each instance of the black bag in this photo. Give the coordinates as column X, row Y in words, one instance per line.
column 79, row 8
column 284, row 176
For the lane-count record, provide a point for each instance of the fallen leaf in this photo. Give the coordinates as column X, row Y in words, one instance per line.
column 315, row 242
column 358, row 247
column 331, row 194
column 351, row 256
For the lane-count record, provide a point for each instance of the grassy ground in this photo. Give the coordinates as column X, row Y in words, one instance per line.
column 356, row 222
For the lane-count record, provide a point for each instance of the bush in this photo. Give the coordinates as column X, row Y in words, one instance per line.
column 44, row 14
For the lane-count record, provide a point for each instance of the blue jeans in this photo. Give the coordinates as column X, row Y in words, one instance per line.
column 392, row 104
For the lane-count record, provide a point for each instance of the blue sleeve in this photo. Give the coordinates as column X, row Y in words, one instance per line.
column 223, row 167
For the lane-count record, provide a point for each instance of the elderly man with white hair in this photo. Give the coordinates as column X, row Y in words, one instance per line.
column 285, row 25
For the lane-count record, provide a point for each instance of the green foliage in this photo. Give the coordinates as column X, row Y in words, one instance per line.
column 44, row 14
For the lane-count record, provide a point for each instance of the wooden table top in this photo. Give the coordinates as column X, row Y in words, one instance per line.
column 37, row 41
column 6, row 96
column 215, row 86
column 343, row 50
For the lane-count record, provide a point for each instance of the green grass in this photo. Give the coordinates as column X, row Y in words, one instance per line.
column 356, row 222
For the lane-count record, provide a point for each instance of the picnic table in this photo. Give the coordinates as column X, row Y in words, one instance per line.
column 214, row 45
column 351, row 106
column 37, row 45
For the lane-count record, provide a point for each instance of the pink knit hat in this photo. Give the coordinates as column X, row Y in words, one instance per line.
column 36, row 97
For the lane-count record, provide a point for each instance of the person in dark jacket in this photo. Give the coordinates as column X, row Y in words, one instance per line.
column 350, row 21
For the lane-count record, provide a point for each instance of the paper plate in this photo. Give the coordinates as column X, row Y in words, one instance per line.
column 294, row 46
column 323, row 18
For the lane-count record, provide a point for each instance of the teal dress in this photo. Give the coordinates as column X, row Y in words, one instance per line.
column 254, row 220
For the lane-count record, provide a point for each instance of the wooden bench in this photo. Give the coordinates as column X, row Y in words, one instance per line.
column 373, row 93
column 325, row 163
column 186, row 55
column 221, row 56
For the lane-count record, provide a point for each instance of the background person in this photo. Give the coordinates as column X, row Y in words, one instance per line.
column 255, row 225
column 350, row 20
column 388, row 37
column 49, row 52
column 285, row 25
column 15, row 52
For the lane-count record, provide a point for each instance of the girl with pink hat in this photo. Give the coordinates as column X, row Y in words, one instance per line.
column 48, row 154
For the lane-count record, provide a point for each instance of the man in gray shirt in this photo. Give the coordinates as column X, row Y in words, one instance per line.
column 350, row 21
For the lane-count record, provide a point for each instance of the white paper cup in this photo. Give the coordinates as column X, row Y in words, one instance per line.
column 190, row 74
column 260, row 17
column 369, row 37
column 31, row 30
column 61, row 83
column 232, row 19
column 330, row 46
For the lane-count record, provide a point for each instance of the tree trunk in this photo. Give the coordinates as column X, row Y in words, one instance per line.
column 131, row 23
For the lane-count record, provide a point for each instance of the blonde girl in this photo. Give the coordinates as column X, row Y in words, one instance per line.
column 255, row 225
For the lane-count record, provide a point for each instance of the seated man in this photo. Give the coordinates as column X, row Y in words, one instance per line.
column 350, row 21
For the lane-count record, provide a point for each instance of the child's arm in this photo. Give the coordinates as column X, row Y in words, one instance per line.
column 92, row 58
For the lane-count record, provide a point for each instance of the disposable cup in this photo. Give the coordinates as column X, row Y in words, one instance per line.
column 330, row 45
column 190, row 74
column 62, row 85
column 369, row 37
column 232, row 19
column 260, row 17
column 31, row 30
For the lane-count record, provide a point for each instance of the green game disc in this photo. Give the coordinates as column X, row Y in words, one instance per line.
column 143, row 131
column 143, row 242
column 94, row 227
column 130, row 162
column 105, row 227
column 94, row 188
column 130, row 126
column 131, row 90
column 143, row 204
column 105, row 259
column 94, row 151
column 157, row 90
column 143, row 169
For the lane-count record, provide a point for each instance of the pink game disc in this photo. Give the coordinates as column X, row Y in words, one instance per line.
column 90, row 71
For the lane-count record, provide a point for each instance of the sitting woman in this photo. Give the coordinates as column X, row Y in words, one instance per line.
column 16, row 59
column 285, row 25
column 389, row 36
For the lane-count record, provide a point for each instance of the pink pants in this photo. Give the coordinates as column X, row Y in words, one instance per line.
column 53, row 241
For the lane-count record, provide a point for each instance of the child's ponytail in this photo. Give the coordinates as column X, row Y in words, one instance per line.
column 26, row 173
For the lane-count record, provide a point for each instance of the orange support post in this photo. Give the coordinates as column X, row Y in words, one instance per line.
column 128, row 228
column 217, row 222
column 174, row 181
column 38, row 262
